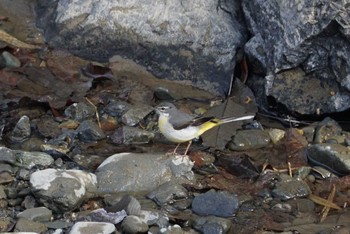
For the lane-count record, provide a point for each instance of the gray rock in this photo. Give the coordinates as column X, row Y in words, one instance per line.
column 155, row 217
column 23, row 174
column 40, row 214
column 80, row 111
column 58, row 224
column 168, row 193
column 212, row 224
column 62, row 190
column 21, row 131
column 133, row 172
column 6, row 168
column 89, row 131
column 26, row 225
column 333, row 157
column 116, row 108
column 2, row 192
column 198, row 41
column 10, row 60
column 29, row 202
column 249, row 139
column 48, row 127
column 131, row 135
column 133, row 224
column 181, row 166
column 300, row 70
column 327, row 129
column 29, row 160
column 288, row 188
column 133, row 116
column 222, row 203
column 7, row 156
column 6, row 177
column 92, row 228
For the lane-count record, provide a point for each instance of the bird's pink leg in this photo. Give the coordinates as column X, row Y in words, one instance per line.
column 188, row 147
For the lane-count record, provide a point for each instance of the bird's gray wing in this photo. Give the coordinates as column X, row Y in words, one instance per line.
column 187, row 120
column 180, row 121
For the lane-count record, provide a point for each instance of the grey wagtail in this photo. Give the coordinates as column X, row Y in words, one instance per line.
column 178, row 126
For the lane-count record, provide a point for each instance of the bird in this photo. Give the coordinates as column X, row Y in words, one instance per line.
column 178, row 126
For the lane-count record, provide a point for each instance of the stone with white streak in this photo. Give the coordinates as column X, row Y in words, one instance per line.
column 92, row 228
column 62, row 190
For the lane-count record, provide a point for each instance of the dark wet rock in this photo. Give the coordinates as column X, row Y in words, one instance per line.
column 14, row 202
column 303, row 205
column 58, row 224
column 163, row 94
column 321, row 173
column 212, row 224
column 131, row 135
column 92, row 228
column 26, row 225
column 11, row 192
column 29, row 160
column 6, row 168
column 200, row 45
column 302, row 173
column 282, row 207
column 288, row 188
column 88, row 161
column 168, row 193
column 327, row 129
column 133, row 224
column 22, row 130
column 133, row 172
column 7, row 156
column 126, row 202
column 116, row 108
column 333, row 157
column 62, row 190
column 2, row 62
column 239, row 165
column 320, row 49
column 40, row 214
column 48, row 127
column 32, row 144
column 222, row 203
column 23, row 173
column 29, row 202
column 80, row 111
column 10, row 60
column 134, row 115
column 249, row 139
column 89, row 131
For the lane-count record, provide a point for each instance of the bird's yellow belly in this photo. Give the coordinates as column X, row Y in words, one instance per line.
column 177, row 136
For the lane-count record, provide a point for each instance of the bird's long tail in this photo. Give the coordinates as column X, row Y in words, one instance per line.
column 233, row 119
column 215, row 122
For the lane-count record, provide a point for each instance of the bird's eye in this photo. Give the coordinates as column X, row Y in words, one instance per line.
column 162, row 108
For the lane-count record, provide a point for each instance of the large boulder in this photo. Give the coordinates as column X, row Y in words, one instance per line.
column 301, row 53
column 195, row 41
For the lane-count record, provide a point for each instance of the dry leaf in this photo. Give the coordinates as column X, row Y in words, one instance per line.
column 323, row 202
